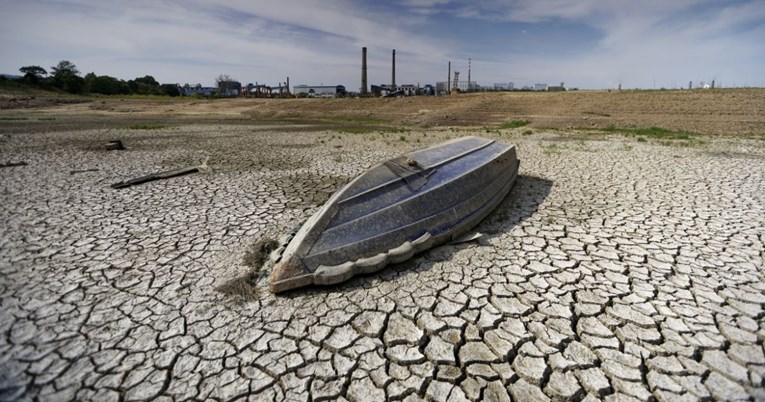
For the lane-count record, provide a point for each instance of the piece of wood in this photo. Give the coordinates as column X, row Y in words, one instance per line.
column 157, row 176
column 12, row 164
column 82, row 171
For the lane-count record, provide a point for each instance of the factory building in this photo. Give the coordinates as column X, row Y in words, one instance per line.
column 319, row 91
column 442, row 87
column 229, row 89
column 398, row 90
column 198, row 90
column 504, row 86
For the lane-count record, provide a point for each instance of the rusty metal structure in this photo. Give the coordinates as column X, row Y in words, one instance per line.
column 455, row 86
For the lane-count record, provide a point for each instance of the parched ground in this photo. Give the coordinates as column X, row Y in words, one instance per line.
column 727, row 112
column 618, row 268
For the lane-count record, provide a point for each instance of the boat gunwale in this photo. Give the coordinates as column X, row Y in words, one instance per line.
column 461, row 177
column 425, row 169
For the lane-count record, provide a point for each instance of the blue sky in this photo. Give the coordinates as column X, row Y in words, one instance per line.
column 584, row 43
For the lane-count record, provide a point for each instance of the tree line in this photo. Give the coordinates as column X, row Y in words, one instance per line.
column 66, row 77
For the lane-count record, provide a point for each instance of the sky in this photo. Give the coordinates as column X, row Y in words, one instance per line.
column 588, row 44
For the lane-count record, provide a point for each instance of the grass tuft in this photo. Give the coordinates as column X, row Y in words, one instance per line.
column 652, row 132
column 551, row 149
column 245, row 286
column 258, row 253
column 147, row 127
column 514, row 124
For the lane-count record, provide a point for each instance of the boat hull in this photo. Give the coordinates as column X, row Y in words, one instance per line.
column 396, row 209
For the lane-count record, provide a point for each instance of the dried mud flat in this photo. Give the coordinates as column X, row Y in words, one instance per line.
column 739, row 112
column 616, row 269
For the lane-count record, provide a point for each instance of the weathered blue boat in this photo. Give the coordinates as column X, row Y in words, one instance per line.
column 396, row 209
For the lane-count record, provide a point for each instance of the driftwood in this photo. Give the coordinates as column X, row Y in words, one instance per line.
column 12, row 164
column 114, row 145
column 82, row 171
column 156, row 176
column 162, row 175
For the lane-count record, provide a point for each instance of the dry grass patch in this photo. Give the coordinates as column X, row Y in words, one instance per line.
column 245, row 286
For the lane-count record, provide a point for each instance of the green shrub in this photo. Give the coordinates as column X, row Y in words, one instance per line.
column 514, row 124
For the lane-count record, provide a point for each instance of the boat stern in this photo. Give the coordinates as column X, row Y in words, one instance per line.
column 289, row 274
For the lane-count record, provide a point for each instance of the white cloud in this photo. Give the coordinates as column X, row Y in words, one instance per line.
column 262, row 40
column 319, row 42
column 671, row 41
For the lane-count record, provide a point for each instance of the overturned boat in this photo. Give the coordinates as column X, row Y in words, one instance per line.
column 395, row 209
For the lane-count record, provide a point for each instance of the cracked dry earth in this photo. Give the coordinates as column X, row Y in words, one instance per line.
column 615, row 270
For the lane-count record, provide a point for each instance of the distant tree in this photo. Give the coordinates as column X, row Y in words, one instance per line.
column 169, row 90
column 145, row 85
column 225, row 84
column 33, row 74
column 223, row 79
column 64, row 67
column 67, row 77
column 147, row 80
column 133, row 86
column 105, row 84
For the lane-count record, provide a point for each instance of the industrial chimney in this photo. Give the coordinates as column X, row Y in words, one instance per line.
column 393, row 74
column 469, row 62
column 363, row 71
column 449, row 79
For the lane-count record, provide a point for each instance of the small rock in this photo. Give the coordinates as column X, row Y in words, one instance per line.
column 563, row 385
column 532, row 369
column 522, row 391
column 477, row 352
column 594, row 381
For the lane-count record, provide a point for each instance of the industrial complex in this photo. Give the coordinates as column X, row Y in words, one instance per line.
column 451, row 86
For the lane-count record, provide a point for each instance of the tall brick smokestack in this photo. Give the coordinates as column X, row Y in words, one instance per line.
column 363, row 70
column 393, row 74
